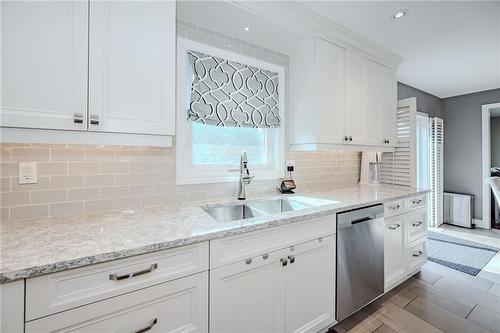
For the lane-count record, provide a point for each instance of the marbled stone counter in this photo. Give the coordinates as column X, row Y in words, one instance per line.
column 34, row 247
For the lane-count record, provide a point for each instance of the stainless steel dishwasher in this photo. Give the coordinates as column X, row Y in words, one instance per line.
column 360, row 258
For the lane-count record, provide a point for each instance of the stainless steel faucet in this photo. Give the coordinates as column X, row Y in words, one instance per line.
column 245, row 177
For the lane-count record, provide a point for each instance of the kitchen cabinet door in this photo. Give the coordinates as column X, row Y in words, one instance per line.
column 357, row 99
column 330, row 92
column 394, row 251
column 387, row 104
column 310, row 286
column 132, row 67
column 247, row 296
column 371, row 102
column 44, row 64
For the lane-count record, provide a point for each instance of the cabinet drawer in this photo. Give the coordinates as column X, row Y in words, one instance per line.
column 179, row 305
column 394, row 207
column 228, row 250
column 61, row 291
column 416, row 224
column 416, row 202
column 417, row 256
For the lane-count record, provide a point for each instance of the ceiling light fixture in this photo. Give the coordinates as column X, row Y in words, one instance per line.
column 247, row 29
column 400, row 14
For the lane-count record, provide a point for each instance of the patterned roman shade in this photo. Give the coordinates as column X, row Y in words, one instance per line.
column 227, row 93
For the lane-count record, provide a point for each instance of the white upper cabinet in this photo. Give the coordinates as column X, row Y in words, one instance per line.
column 350, row 101
column 98, row 66
column 371, row 102
column 44, row 64
column 317, row 83
column 330, row 92
column 132, row 67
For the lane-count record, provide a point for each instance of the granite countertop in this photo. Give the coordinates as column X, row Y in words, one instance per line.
column 34, row 247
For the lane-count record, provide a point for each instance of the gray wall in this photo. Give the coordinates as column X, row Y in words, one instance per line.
column 495, row 141
column 462, row 143
column 426, row 103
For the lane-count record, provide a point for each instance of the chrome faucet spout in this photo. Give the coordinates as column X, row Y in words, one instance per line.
column 245, row 177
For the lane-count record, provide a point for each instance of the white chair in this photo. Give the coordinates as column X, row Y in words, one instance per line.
column 494, row 182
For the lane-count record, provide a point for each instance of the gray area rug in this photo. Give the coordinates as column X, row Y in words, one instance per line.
column 462, row 255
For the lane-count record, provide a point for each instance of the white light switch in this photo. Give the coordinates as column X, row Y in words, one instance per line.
column 27, row 173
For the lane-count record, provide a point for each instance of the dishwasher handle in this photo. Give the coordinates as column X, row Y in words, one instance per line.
column 363, row 219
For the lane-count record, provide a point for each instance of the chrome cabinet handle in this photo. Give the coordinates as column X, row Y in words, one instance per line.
column 417, row 202
column 116, row 277
column 94, row 119
column 418, row 254
column 394, row 226
column 395, row 207
column 418, row 224
column 291, row 257
column 152, row 323
column 78, row 118
column 284, row 261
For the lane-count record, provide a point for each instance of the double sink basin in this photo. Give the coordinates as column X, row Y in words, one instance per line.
column 254, row 209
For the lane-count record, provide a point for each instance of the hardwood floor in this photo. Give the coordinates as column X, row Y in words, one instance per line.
column 438, row 299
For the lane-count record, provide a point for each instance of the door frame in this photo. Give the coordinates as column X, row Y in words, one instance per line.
column 486, row 161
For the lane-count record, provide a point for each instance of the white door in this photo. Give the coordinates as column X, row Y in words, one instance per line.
column 310, row 286
column 44, row 64
column 330, row 92
column 394, row 251
column 247, row 296
column 132, row 67
column 177, row 306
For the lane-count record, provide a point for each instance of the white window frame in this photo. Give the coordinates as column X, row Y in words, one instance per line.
column 186, row 172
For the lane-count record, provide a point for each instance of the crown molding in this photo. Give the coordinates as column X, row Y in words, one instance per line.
column 300, row 19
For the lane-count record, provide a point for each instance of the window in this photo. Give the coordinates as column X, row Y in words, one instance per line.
column 208, row 153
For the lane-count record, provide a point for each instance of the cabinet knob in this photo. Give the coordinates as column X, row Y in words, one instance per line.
column 284, row 261
column 291, row 257
column 78, row 118
column 94, row 119
column 346, row 138
column 265, row 256
column 418, row 224
column 248, row 261
column 350, row 138
column 394, row 226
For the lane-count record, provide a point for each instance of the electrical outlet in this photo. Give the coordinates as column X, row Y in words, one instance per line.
column 27, row 173
column 290, row 163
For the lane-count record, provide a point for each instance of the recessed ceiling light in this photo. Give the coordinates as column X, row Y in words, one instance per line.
column 400, row 14
column 247, row 29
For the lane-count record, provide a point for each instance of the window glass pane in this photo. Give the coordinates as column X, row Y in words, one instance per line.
column 223, row 145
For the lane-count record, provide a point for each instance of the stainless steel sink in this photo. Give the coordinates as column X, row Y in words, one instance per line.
column 253, row 209
column 232, row 212
column 277, row 206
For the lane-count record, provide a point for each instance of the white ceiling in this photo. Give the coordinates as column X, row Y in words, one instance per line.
column 449, row 48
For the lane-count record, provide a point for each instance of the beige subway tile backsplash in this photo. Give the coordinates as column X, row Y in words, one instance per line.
column 75, row 179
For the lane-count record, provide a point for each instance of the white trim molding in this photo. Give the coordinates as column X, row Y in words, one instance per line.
column 186, row 172
column 486, row 162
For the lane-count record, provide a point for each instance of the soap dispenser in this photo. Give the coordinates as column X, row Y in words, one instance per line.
column 287, row 185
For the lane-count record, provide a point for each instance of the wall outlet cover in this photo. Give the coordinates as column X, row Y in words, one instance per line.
column 27, row 173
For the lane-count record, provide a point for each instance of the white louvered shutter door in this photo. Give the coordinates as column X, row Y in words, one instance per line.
column 436, row 159
column 398, row 168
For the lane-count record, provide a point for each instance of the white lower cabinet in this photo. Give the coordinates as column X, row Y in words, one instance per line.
column 177, row 306
column 288, row 290
column 394, row 251
column 405, row 239
column 310, row 287
column 247, row 296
